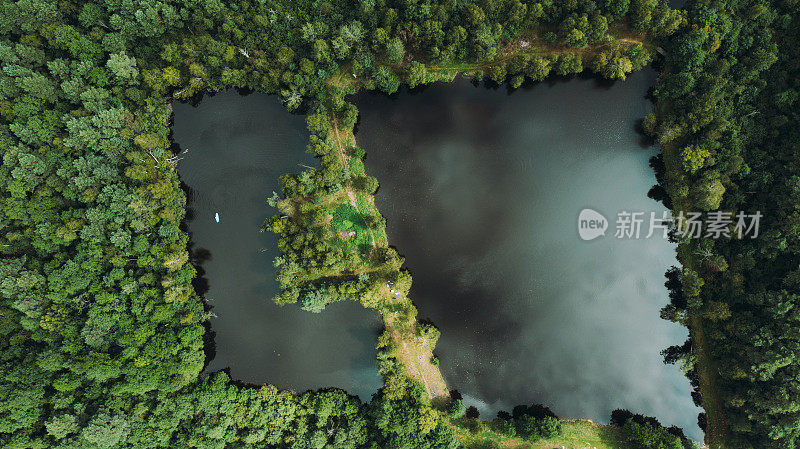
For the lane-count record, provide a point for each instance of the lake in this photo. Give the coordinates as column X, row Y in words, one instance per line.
column 482, row 192
column 236, row 147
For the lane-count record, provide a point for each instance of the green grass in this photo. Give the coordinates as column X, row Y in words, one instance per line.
column 574, row 435
column 346, row 218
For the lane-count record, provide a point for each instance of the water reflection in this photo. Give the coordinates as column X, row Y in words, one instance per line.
column 237, row 148
column 482, row 192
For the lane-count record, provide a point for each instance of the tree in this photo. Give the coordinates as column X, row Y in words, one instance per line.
column 707, row 191
column 416, row 74
column 456, row 408
column 575, row 38
column 694, row 158
column 315, row 301
column 532, row 428
column 366, row 184
column 617, row 8
column 568, row 63
column 598, row 27
column 105, row 430
column 386, row 80
column 123, row 67
column 62, row 425
column 395, row 50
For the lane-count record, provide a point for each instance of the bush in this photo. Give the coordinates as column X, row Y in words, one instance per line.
column 456, row 409
column 475, row 426
column 620, row 416
column 648, row 436
column 532, row 428
column 504, row 427
column 366, row 184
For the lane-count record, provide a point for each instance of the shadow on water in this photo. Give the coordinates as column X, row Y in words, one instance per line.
column 481, row 192
column 233, row 150
column 198, row 256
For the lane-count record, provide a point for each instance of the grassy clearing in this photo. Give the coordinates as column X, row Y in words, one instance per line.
column 343, row 139
column 350, row 226
column 577, row 434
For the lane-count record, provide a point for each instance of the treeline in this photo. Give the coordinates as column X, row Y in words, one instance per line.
column 294, row 49
column 531, row 423
column 728, row 123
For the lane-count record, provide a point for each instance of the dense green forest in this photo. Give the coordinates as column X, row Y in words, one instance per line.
column 727, row 121
column 102, row 332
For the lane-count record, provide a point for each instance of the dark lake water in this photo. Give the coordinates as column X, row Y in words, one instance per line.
column 238, row 146
column 482, row 192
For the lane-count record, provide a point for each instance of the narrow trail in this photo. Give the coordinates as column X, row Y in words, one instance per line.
column 412, row 350
column 532, row 46
column 716, row 431
column 344, row 159
column 716, row 427
column 416, row 357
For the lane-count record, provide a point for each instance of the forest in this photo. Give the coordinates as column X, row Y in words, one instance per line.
column 103, row 333
column 726, row 119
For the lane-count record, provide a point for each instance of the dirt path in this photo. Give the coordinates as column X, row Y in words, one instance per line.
column 534, row 46
column 344, row 159
column 413, row 351
column 716, row 427
column 416, row 356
